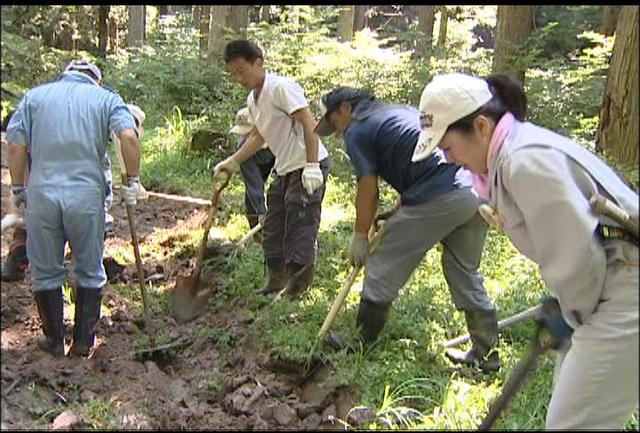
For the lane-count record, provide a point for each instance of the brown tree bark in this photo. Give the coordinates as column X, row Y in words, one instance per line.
column 345, row 23
column 513, row 27
column 238, row 20
column 609, row 20
column 219, row 18
column 265, row 13
column 103, row 29
column 135, row 37
column 204, row 20
column 444, row 20
column 360, row 18
column 619, row 116
column 426, row 18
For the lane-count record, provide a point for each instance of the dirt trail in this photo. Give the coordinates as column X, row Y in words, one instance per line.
column 212, row 383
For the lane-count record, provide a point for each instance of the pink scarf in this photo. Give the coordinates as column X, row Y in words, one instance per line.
column 481, row 182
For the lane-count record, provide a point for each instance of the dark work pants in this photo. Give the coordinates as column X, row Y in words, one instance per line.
column 255, row 172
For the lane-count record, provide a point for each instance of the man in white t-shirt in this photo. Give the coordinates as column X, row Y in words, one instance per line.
column 282, row 118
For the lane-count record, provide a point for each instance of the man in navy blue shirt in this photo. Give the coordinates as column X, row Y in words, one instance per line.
column 436, row 205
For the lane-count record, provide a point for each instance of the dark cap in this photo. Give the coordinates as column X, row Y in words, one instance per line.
column 331, row 101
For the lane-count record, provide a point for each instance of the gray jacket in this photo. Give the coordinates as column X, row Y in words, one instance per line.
column 542, row 183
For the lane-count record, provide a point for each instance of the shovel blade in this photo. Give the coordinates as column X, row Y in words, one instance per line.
column 188, row 297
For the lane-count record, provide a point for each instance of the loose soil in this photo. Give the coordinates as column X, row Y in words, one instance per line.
column 199, row 385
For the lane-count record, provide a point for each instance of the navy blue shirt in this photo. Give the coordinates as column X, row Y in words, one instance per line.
column 380, row 142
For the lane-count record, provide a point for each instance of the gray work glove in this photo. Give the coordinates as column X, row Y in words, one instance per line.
column 358, row 249
column 312, row 177
column 229, row 165
column 131, row 191
column 18, row 196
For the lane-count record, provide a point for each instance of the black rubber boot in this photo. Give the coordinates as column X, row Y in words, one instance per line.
column 16, row 263
column 277, row 278
column 483, row 329
column 252, row 219
column 371, row 319
column 299, row 278
column 50, row 309
column 88, row 303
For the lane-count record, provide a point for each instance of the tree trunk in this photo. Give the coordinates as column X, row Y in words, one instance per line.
column 618, row 129
column 513, row 27
column 219, row 17
column 345, row 23
column 444, row 20
column 205, row 17
column 114, row 43
column 238, row 20
column 135, row 37
column 103, row 30
column 265, row 13
column 609, row 20
column 360, row 18
column 162, row 10
column 426, row 17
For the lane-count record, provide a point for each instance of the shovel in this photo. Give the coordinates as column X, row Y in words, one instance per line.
column 190, row 293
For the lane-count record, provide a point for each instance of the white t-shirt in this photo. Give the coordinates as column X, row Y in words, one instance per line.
column 279, row 98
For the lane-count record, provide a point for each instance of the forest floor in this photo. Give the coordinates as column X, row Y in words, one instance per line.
column 224, row 380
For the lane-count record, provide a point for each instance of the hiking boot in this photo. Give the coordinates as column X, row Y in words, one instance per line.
column 16, row 263
column 483, row 329
column 299, row 279
column 87, row 303
column 277, row 278
column 50, row 308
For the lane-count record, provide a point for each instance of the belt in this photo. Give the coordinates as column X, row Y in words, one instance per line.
column 606, row 232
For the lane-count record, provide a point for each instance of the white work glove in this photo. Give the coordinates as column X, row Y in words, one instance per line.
column 312, row 177
column 18, row 197
column 229, row 165
column 131, row 191
column 142, row 194
column 358, row 249
column 261, row 218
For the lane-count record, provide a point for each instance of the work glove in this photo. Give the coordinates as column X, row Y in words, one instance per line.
column 131, row 191
column 553, row 321
column 261, row 218
column 142, row 194
column 358, row 249
column 229, row 165
column 312, row 177
column 18, row 197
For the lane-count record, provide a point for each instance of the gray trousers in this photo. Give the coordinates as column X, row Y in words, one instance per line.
column 451, row 219
column 292, row 219
column 596, row 380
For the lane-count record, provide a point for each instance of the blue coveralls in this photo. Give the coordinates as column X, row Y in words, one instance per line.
column 65, row 125
column 255, row 172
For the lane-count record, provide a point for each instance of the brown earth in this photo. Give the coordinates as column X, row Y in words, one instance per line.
column 200, row 385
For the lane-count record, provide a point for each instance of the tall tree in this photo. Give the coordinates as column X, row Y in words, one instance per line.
column 513, row 27
column 426, row 17
column 205, row 17
column 444, row 20
column 618, row 129
column 609, row 19
column 135, row 37
column 238, row 20
column 345, row 23
column 103, row 29
column 265, row 13
column 219, row 18
column 360, row 17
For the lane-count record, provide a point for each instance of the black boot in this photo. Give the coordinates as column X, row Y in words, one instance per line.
column 15, row 265
column 483, row 329
column 50, row 309
column 252, row 219
column 371, row 319
column 299, row 278
column 88, row 302
column 277, row 277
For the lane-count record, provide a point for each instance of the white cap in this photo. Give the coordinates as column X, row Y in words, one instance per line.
column 445, row 100
column 84, row 65
column 137, row 113
column 243, row 124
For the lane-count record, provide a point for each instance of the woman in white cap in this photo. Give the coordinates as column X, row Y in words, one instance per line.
column 538, row 185
column 255, row 170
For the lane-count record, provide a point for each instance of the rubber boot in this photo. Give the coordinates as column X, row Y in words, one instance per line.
column 88, row 303
column 50, row 309
column 483, row 329
column 277, row 278
column 371, row 319
column 16, row 263
column 299, row 278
